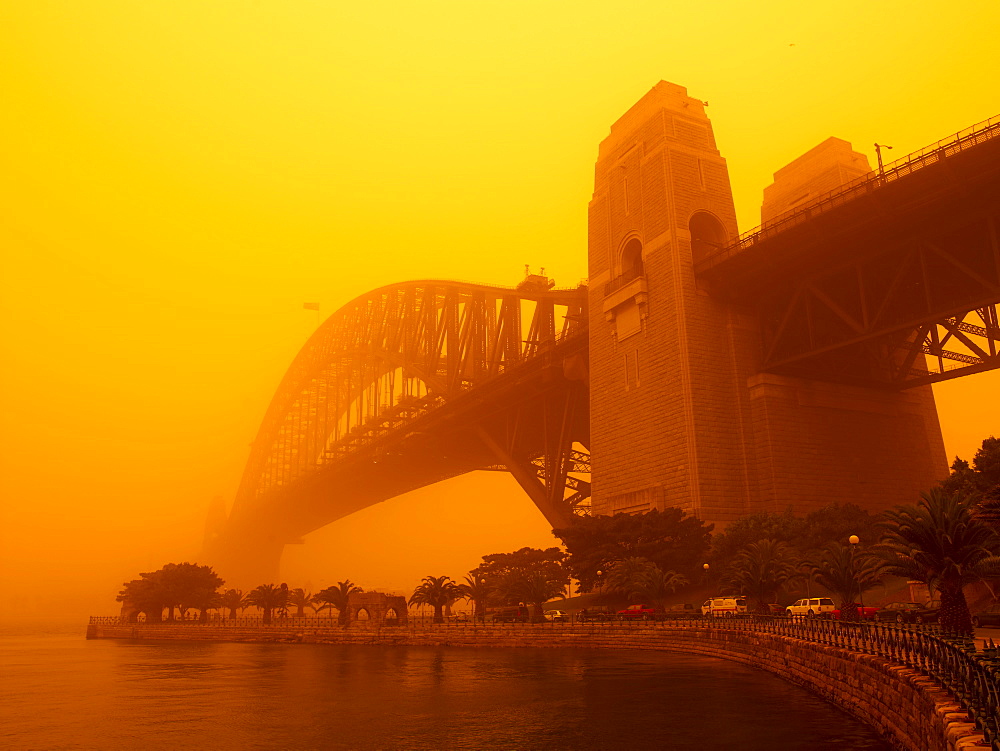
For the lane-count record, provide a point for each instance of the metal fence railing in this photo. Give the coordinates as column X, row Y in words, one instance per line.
column 627, row 276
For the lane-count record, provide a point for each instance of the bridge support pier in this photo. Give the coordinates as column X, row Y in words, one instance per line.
column 246, row 561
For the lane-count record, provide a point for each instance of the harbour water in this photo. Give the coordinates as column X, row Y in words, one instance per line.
column 60, row 691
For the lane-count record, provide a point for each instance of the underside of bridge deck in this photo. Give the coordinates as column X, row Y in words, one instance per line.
column 896, row 287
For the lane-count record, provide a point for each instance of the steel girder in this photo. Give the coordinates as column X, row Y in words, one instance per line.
column 922, row 311
column 398, row 357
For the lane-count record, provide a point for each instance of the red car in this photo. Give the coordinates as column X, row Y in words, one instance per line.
column 637, row 613
column 866, row 613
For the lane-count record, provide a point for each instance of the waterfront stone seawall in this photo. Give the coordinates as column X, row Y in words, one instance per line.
column 906, row 706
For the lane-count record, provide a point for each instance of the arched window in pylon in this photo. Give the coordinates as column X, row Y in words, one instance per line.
column 632, row 267
column 707, row 235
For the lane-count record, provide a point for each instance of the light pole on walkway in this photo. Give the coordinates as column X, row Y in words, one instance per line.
column 854, row 540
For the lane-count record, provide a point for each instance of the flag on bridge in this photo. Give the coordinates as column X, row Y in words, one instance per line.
column 310, row 305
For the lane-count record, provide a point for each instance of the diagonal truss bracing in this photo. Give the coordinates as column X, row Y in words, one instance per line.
column 399, row 357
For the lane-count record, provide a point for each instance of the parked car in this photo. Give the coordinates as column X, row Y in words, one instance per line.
column 637, row 613
column 719, row 607
column 687, row 610
column 988, row 617
column 511, row 615
column 594, row 615
column 909, row 612
column 928, row 612
column 865, row 613
column 556, row 616
column 900, row 612
column 811, row 607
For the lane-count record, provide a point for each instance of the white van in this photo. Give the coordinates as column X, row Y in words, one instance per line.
column 719, row 607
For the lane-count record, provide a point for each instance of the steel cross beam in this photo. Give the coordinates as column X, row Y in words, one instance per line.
column 871, row 321
column 946, row 349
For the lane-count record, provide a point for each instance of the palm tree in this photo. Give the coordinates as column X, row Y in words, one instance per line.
column 234, row 599
column 656, row 586
column 480, row 592
column 846, row 575
column 300, row 599
column 338, row 596
column 436, row 591
column 624, row 575
column 940, row 542
column 268, row 597
column 761, row 569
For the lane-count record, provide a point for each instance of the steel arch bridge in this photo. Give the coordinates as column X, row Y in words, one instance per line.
column 408, row 385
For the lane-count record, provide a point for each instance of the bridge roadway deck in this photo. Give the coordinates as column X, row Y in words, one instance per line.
column 928, row 201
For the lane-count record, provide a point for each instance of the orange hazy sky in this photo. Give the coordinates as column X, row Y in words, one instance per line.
column 177, row 178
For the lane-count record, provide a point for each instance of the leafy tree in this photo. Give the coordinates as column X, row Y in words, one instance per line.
column 176, row 585
column 979, row 481
column 300, row 599
column 670, row 539
column 339, row 596
column 480, row 592
column 527, row 575
column 765, row 525
column 436, row 591
column 941, row 543
column 189, row 584
column 268, row 597
column 834, row 525
column 234, row 599
column 761, row 569
column 506, row 572
column 847, row 574
column 145, row 596
column 204, row 602
column 533, row 588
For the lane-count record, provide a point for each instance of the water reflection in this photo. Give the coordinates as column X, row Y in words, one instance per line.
column 75, row 694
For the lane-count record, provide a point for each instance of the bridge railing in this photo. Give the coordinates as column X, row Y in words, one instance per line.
column 935, row 152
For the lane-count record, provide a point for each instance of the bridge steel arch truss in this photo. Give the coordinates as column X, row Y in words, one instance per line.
column 416, row 382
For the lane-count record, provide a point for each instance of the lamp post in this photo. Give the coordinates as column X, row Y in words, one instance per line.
column 881, row 171
column 854, row 540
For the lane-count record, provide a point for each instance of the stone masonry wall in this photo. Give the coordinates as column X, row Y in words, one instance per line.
column 908, row 708
column 680, row 413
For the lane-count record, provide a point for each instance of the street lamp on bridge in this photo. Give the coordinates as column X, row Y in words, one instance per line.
column 881, row 171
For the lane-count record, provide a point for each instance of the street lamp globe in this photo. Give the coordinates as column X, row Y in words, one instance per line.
column 705, row 566
column 854, row 539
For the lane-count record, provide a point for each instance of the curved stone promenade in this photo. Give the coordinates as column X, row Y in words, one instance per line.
column 903, row 702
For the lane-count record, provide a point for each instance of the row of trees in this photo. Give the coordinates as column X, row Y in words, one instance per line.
column 940, row 541
column 186, row 586
column 947, row 540
column 529, row 575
